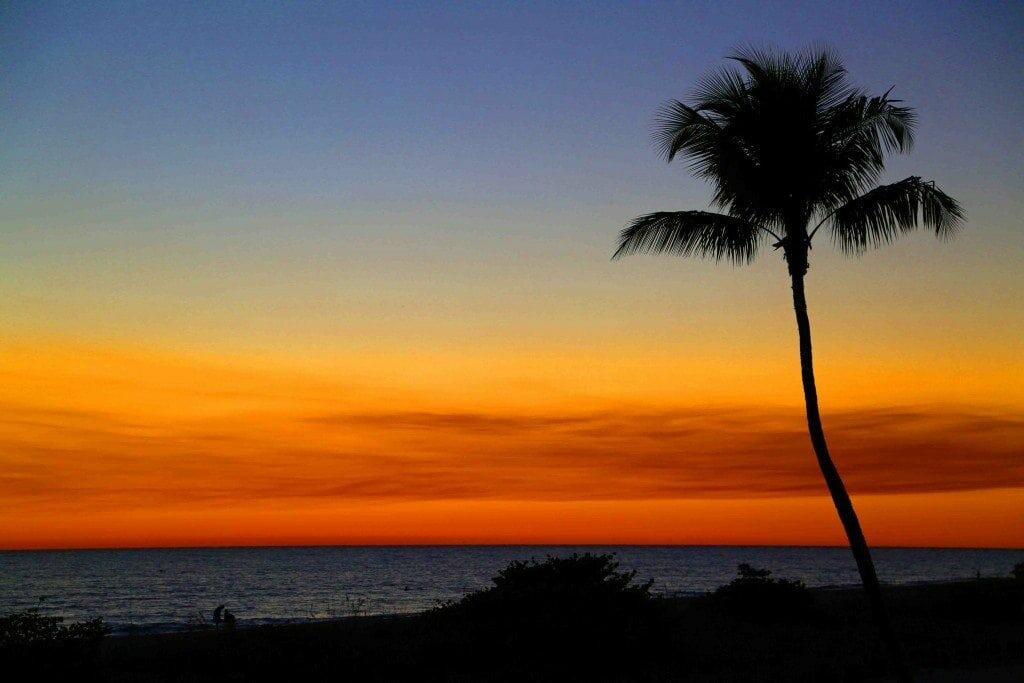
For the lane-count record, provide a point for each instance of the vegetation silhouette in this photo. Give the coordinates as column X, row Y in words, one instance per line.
column 564, row 614
column 755, row 595
column 790, row 147
column 34, row 646
column 565, row 619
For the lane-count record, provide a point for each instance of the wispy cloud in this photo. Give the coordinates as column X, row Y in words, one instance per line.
column 59, row 459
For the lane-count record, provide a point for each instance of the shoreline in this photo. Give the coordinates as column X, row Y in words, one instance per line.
column 146, row 630
column 969, row 630
column 164, row 628
column 952, row 630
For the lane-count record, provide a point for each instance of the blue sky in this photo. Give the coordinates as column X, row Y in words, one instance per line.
column 371, row 104
column 164, row 164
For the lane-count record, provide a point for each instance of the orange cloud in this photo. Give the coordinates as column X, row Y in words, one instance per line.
column 130, row 451
column 74, row 458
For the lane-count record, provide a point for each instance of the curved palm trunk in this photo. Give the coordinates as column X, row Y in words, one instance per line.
column 841, row 499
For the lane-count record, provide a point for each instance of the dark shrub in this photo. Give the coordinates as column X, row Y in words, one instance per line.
column 755, row 595
column 1018, row 571
column 983, row 600
column 573, row 612
column 44, row 647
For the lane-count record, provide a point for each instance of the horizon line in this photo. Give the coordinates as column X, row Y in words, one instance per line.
column 496, row 545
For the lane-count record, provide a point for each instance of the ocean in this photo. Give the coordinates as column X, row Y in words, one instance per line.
column 170, row 589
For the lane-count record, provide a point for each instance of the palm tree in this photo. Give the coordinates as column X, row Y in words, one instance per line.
column 790, row 147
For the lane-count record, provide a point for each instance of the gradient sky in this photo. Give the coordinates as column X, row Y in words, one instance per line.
column 339, row 273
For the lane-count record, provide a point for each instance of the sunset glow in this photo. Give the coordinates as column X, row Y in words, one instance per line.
column 275, row 280
column 111, row 447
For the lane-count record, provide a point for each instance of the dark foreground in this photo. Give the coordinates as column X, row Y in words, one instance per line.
column 609, row 630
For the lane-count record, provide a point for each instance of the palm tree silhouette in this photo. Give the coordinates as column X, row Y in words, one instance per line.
column 790, row 147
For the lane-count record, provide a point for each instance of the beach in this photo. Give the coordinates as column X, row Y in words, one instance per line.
column 969, row 630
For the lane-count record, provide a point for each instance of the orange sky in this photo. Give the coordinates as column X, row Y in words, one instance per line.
column 265, row 278
column 112, row 445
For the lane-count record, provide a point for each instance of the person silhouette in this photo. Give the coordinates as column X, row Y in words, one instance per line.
column 222, row 615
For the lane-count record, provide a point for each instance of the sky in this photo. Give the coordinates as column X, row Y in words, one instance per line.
column 339, row 273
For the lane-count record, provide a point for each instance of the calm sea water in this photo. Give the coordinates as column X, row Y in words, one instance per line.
column 166, row 589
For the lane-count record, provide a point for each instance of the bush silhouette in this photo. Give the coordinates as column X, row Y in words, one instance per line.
column 42, row 647
column 755, row 595
column 577, row 611
column 1018, row 571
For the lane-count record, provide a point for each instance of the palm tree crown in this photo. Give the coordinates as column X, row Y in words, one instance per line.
column 789, row 146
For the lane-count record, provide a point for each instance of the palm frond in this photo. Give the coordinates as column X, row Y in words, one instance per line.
column 679, row 127
column 881, row 215
column 825, row 77
column 880, row 121
column 764, row 66
column 691, row 233
column 781, row 137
